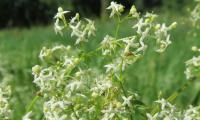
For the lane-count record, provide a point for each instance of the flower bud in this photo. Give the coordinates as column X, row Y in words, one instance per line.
column 94, row 94
column 118, row 105
column 60, row 9
column 194, row 48
column 68, row 48
column 121, row 8
column 157, row 27
column 133, row 10
column 36, row 70
column 76, row 60
column 148, row 20
column 173, row 25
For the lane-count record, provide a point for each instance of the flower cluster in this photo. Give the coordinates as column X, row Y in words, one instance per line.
column 72, row 89
column 128, row 50
column 5, row 111
column 195, row 14
column 193, row 65
column 5, row 93
column 82, row 30
column 170, row 112
column 60, row 16
column 162, row 37
column 116, row 9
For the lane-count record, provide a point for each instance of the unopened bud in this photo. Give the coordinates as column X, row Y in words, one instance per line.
column 173, row 25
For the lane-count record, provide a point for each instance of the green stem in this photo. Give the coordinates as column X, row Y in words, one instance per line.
column 30, row 106
column 118, row 25
column 122, row 87
column 174, row 95
column 179, row 91
column 196, row 99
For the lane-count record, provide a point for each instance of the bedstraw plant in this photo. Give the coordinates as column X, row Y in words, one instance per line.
column 72, row 89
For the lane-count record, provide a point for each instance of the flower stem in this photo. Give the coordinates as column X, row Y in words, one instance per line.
column 118, row 25
column 122, row 87
column 30, row 106
column 179, row 91
column 174, row 95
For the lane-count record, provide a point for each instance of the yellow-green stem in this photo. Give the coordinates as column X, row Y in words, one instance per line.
column 174, row 95
column 30, row 106
column 118, row 25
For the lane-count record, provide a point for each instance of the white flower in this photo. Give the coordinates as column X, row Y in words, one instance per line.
column 194, row 61
column 60, row 47
column 150, row 17
column 5, row 111
column 102, row 84
column 111, row 67
column 70, row 63
column 54, row 109
column 108, row 45
column 78, row 32
column 58, row 28
column 127, row 100
column 27, row 116
column 45, row 53
column 46, row 79
column 133, row 12
column 108, row 113
column 75, row 18
column 129, row 43
column 82, row 73
column 141, row 41
column 188, row 73
column 150, row 117
column 195, row 16
column 60, row 16
column 90, row 28
column 76, row 29
column 74, row 85
column 192, row 67
column 140, row 24
column 164, row 104
column 116, row 8
column 60, row 13
column 107, row 42
column 163, row 44
column 193, row 113
column 91, row 109
column 162, row 36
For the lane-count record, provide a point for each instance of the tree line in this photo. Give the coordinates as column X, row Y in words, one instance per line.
column 40, row 12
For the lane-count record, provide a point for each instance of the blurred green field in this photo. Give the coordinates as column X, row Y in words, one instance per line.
column 153, row 74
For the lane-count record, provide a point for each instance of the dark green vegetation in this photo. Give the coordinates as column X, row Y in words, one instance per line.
column 153, row 74
column 37, row 12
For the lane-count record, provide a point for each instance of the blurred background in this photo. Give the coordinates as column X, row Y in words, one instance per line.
column 27, row 25
column 25, row 13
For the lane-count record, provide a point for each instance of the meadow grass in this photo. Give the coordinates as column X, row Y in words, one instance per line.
column 153, row 76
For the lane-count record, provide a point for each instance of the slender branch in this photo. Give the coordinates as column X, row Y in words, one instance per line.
column 118, row 25
column 30, row 106
column 179, row 91
column 174, row 95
